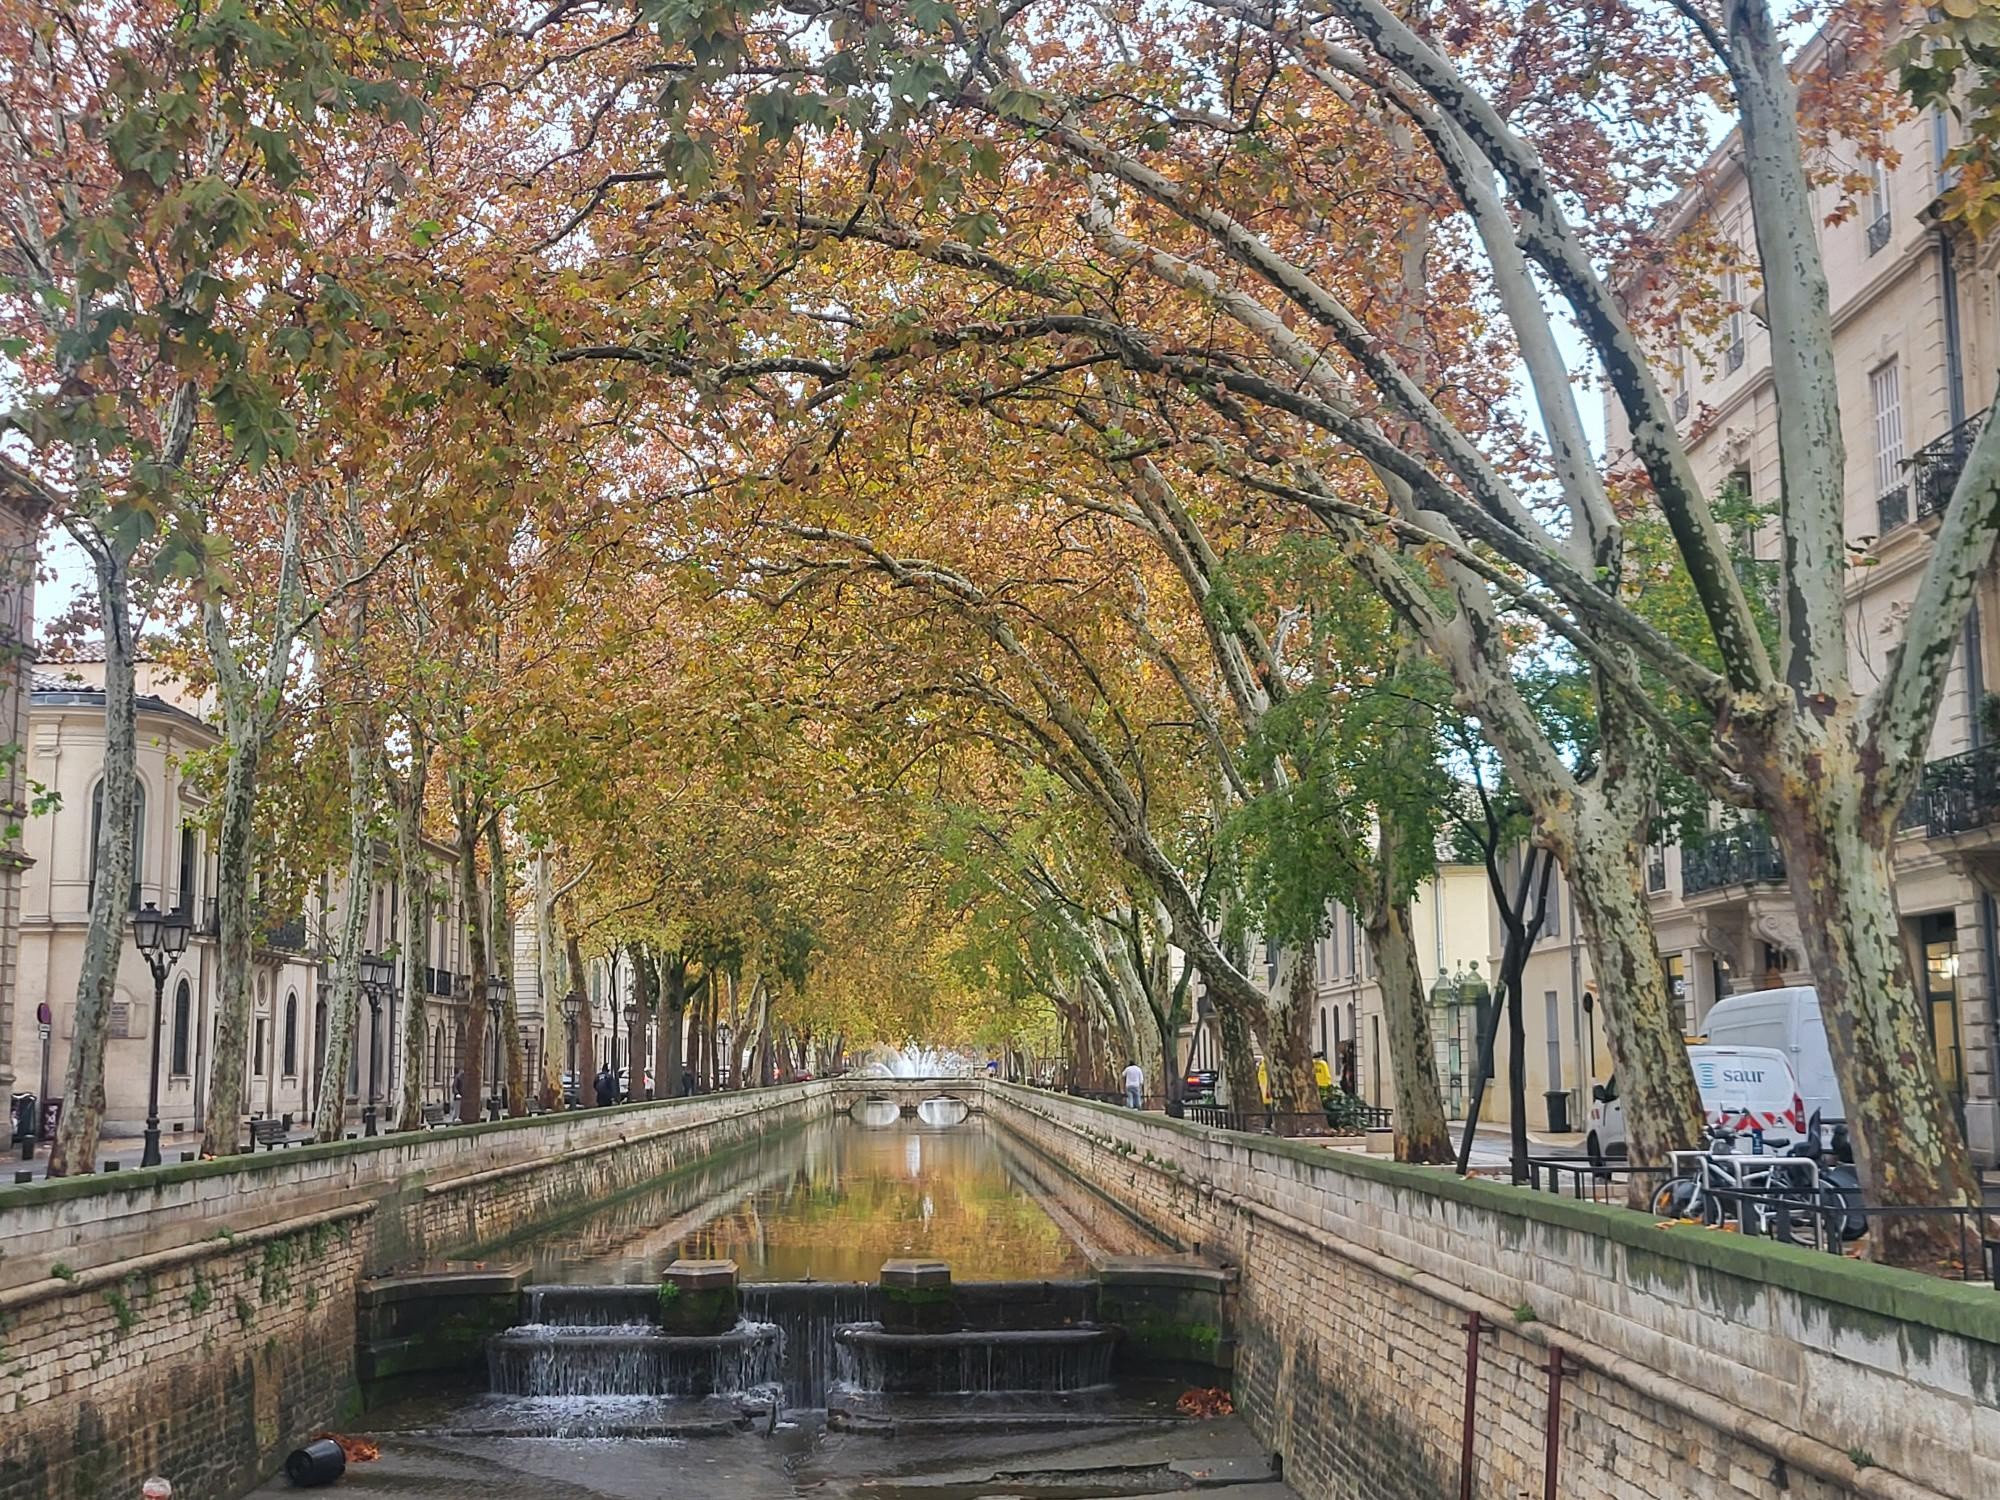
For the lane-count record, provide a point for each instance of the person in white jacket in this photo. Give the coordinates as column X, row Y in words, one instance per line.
column 1135, row 1085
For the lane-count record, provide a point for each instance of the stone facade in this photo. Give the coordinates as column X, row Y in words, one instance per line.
column 1692, row 1364
column 21, row 511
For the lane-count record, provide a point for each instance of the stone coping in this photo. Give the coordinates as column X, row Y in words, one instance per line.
column 1968, row 1309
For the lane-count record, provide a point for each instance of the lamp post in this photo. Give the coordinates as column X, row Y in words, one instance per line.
column 496, row 996
column 376, row 974
column 162, row 938
column 635, row 1051
column 723, row 1037
column 572, row 1009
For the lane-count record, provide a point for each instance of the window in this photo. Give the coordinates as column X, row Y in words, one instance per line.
column 1947, row 174
column 1552, row 920
column 257, row 1056
column 1878, row 206
column 1271, row 957
column 292, row 1034
column 1677, row 990
column 1656, row 869
column 183, row 1030
column 138, row 833
column 184, row 889
column 1552, row 1016
column 1683, row 380
column 1886, row 389
column 1732, row 296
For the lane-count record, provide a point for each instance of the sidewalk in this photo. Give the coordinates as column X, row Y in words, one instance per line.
column 120, row 1153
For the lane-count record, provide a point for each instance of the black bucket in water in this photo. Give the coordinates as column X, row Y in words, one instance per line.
column 320, row 1462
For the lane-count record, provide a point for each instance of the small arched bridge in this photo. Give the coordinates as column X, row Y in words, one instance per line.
column 907, row 1093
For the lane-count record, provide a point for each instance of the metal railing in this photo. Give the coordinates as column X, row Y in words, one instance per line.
column 1961, row 792
column 1935, row 467
column 1732, row 358
column 289, row 936
column 1735, row 856
column 1681, row 399
column 1878, row 233
column 1893, row 509
column 1287, row 1123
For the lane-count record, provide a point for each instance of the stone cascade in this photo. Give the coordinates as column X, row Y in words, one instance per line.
column 694, row 1343
column 925, row 1345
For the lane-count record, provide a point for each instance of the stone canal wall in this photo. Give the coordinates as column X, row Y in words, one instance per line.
column 1679, row 1362
column 199, row 1320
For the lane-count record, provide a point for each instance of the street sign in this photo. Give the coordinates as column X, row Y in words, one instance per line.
column 44, row 1016
column 51, row 1118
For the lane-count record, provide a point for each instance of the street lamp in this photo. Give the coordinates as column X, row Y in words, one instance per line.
column 635, row 1051
column 162, row 938
column 723, row 1037
column 572, row 1011
column 377, row 972
column 496, row 997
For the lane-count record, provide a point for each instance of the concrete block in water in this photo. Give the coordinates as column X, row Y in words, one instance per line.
column 1171, row 1309
column 917, row 1297
column 699, row 1297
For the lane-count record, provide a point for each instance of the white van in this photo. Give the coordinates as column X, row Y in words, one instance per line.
column 1744, row 1088
column 1789, row 1020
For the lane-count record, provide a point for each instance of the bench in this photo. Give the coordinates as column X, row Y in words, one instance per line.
column 270, row 1134
column 436, row 1114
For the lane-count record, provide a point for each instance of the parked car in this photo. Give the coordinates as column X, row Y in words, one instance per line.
column 1199, row 1086
column 1744, row 1089
column 1789, row 1020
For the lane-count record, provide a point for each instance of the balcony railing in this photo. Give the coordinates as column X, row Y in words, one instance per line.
column 1735, row 856
column 289, row 936
column 1732, row 358
column 1893, row 510
column 438, row 982
column 1961, row 792
column 1878, row 233
column 1680, row 406
column 1935, row 469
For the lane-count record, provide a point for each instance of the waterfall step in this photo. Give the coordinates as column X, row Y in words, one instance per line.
column 976, row 1361
column 602, row 1417
column 622, row 1361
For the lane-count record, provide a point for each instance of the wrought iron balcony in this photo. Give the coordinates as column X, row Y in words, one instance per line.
column 1733, row 856
column 1680, row 406
column 1935, row 469
column 1961, row 792
column 1878, row 233
column 289, row 936
column 1732, row 358
column 1893, row 510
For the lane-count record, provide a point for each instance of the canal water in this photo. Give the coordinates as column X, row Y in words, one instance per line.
column 831, row 1202
column 810, row 1394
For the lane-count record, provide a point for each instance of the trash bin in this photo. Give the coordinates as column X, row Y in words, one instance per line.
column 1558, row 1101
column 320, row 1462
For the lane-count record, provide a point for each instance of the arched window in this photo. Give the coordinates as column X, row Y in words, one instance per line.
column 437, row 1054
column 291, row 1033
column 183, row 1028
column 138, row 833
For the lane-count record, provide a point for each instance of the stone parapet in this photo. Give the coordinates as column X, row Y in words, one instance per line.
column 1683, row 1362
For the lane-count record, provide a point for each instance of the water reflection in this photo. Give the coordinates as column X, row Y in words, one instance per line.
column 877, row 1114
column 830, row 1203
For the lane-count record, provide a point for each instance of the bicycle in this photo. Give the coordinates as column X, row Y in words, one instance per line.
column 1713, row 1185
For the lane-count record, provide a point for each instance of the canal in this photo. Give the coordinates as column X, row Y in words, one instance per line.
column 820, row 1380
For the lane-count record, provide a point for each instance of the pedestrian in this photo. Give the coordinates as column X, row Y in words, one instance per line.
column 1135, row 1085
column 687, row 1083
column 458, row 1083
column 607, row 1086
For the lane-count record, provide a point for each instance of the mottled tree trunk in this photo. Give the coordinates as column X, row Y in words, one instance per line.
column 1907, row 1144
column 645, row 995
column 673, row 1005
column 1662, row 1109
column 549, row 979
column 344, row 1013
column 1421, row 1132
column 516, row 1053
column 234, row 862
column 586, row 1028
column 414, row 940
column 1239, row 1059
column 75, row 1148
column 1288, row 1063
column 473, row 1064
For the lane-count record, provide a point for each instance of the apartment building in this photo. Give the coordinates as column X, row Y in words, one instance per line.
column 1916, row 344
column 174, row 869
